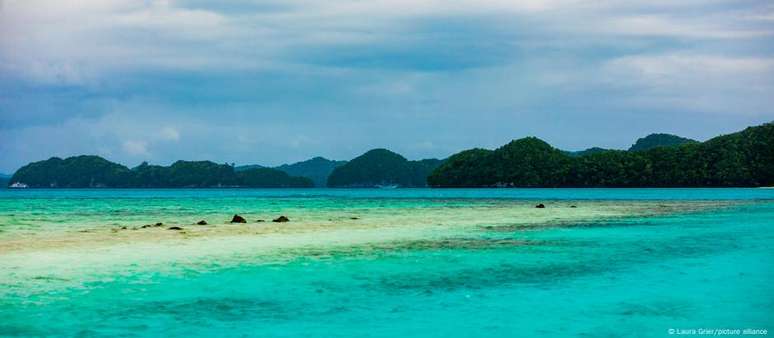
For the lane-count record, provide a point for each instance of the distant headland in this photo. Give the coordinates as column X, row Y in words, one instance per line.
column 744, row 159
column 741, row 159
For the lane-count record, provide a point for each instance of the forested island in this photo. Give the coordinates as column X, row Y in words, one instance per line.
column 317, row 169
column 374, row 168
column 659, row 140
column 97, row 172
column 381, row 167
column 744, row 159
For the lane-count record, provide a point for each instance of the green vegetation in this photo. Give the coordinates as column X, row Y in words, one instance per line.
column 585, row 152
column 317, row 169
column 97, row 172
column 659, row 140
column 745, row 158
column 247, row 167
column 382, row 167
column 74, row 172
column 272, row 178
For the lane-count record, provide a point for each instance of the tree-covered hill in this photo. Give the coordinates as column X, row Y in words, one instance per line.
column 272, row 178
column 382, row 167
column 247, row 167
column 97, row 172
column 659, row 140
column 528, row 161
column 585, row 152
column 745, row 158
column 74, row 172
column 317, row 169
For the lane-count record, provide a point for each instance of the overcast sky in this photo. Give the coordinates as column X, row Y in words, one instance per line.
column 270, row 82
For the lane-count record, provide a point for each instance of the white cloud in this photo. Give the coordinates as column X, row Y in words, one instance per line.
column 699, row 82
column 170, row 134
column 136, row 148
column 83, row 42
column 670, row 66
column 666, row 26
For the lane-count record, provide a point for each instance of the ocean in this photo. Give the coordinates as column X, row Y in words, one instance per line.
column 386, row 262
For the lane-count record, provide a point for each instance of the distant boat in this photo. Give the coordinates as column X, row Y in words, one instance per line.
column 18, row 185
column 390, row 186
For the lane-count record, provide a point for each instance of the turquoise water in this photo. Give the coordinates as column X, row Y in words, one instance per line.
column 462, row 263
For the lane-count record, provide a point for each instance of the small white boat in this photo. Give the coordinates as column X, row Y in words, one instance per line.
column 18, row 185
column 390, row 186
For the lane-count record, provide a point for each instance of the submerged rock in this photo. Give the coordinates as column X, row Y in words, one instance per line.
column 259, row 221
column 202, row 222
column 238, row 219
column 540, row 206
column 281, row 219
column 174, row 228
column 573, row 206
column 354, row 218
column 158, row 224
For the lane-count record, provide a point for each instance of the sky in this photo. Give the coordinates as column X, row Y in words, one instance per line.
column 272, row 82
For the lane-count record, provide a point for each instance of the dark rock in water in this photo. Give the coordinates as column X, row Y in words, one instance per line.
column 281, row 219
column 259, row 221
column 159, row 224
column 123, row 228
column 572, row 206
column 146, row 226
column 354, row 218
column 174, row 228
column 238, row 219
column 202, row 222
column 540, row 206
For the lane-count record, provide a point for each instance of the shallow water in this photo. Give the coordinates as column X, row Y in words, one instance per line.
column 412, row 262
